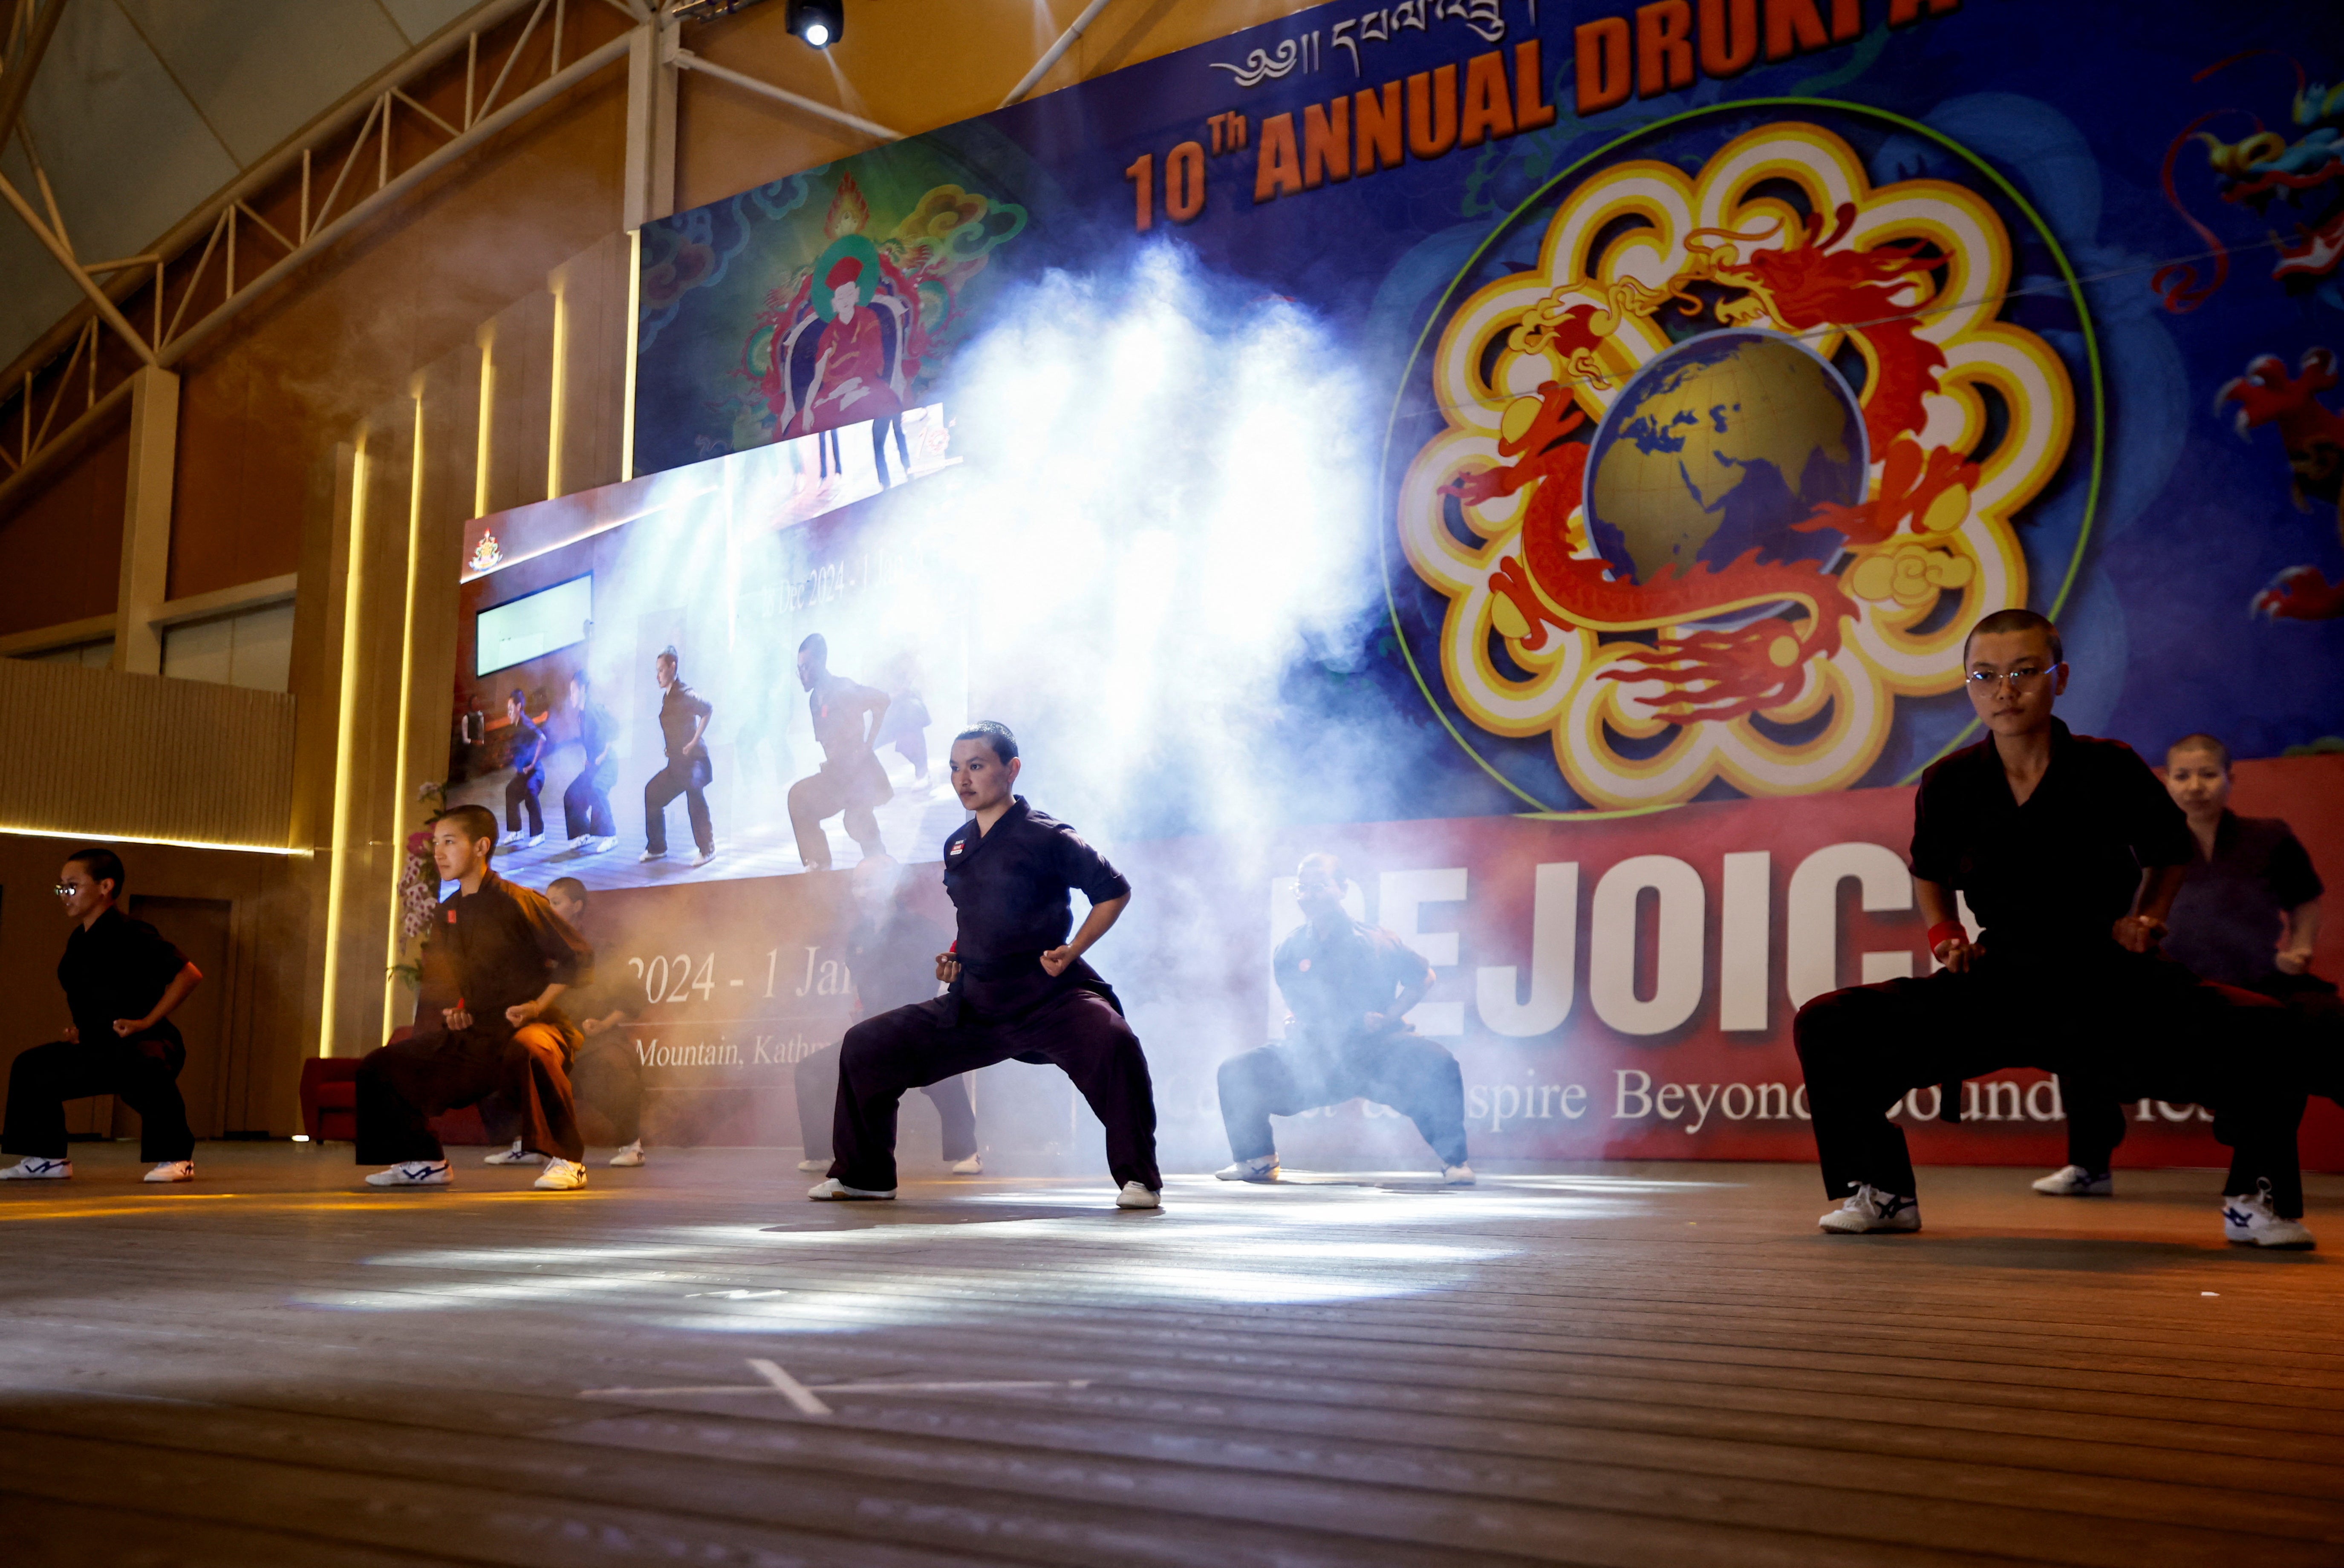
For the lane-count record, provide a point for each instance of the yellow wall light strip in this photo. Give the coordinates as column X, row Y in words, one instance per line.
column 399, row 804
column 102, row 837
column 345, row 743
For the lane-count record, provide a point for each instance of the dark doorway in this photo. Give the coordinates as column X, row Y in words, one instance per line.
column 200, row 929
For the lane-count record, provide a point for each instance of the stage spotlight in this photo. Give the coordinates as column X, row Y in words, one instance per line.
column 821, row 23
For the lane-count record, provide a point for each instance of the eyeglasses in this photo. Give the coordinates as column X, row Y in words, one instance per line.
column 67, row 889
column 2026, row 677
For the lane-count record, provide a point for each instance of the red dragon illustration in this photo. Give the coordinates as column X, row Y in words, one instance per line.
column 2313, row 436
column 1709, row 674
column 1725, row 673
column 1807, row 285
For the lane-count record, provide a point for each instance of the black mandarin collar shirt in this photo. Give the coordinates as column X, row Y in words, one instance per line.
column 594, row 739
column 1332, row 981
column 680, row 708
column 837, row 707
column 1010, row 887
column 2050, row 878
column 116, row 968
column 497, row 947
column 529, row 744
column 2226, row 919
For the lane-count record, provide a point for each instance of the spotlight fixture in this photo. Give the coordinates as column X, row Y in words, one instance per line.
column 821, row 23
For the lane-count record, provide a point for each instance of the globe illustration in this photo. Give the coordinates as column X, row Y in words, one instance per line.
column 1716, row 448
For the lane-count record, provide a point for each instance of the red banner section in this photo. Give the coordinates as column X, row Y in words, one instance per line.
column 1618, row 988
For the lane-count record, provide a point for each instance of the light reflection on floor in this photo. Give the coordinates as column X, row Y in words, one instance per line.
column 849, row 1269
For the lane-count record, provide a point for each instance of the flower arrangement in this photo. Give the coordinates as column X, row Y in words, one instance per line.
column 418, row 890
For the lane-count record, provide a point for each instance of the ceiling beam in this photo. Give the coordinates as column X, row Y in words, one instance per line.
column 17, row 84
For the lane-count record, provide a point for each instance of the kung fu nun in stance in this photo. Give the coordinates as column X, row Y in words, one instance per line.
column 1019, row 988
column 2247, row 915
column 122, row 980
column 1351, row 986
column 498, row 960
column 2070, row 852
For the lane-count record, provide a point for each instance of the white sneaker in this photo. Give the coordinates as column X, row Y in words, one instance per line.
column 631, row 1155
column 813, row 1167
column 35, row 1168
column 516, row 1155
column 648, row 856
column 834, row 1191
column 2074, row 1182
column 1871, row 1209
column 413, row 1173
column 2252, row 1222
column 703, row 857
column 173, row 1171
column 972, row 1166
column 1458, row 1175
column 579, row 840
column 1135, row 1196
column 561, row 1176
column 1261, row 1168
column 601, row 846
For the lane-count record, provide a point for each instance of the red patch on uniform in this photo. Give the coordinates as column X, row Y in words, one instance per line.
column 1304, row 968
column 452, row 917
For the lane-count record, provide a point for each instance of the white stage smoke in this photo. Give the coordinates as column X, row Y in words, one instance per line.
column 1167, row 506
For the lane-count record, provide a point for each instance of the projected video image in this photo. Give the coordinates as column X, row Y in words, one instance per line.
column 545, row 622
column 740, row 669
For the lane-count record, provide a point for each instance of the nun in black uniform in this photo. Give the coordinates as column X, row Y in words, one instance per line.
column 1018, row 987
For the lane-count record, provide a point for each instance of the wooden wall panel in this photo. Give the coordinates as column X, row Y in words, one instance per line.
column 61, row 551
column 296, row 375
column 98, row 752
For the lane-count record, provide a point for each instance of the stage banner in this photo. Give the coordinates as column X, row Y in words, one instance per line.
column 1724, row 361
column 1548, row 453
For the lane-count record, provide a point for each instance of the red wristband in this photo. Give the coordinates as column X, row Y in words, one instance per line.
column 1944, row 932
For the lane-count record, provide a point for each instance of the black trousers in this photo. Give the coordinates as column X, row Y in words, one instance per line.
column 586, row 808
column 879, row 428
column 1079, row 1032
column 606, row 1078
column 688, row 776
column 824, row 795
column 522, row 791
column 816, row 1077
column 1402, row 1069
column 2115, row 1028
column 143, row 1071
column 402, row 1085
column 2095, row 1129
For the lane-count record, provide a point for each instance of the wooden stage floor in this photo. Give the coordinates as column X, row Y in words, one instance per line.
column 1653, row 1364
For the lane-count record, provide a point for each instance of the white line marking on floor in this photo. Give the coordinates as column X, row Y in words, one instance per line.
column 791, row 1390
column 808, row 1401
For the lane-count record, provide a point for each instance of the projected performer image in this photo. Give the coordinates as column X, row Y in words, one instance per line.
column 1018, row 987
column 1351, row 986
column 847, row 720
column 121, row 981
column 531, row 744
column 891, row 951
column 905, row 727
column 2246, row 914
column 2070, row 853
column 606, row 1077
column 586, row 804
column 683, row 715
column 496, row 965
